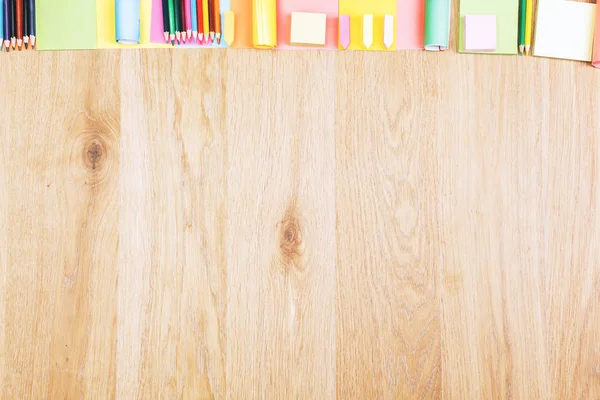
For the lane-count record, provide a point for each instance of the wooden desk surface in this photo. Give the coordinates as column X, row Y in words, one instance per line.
column 190, row 224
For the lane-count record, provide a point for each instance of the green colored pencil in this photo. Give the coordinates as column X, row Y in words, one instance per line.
column 177, row 20
column 522, row 24
column 172, row 25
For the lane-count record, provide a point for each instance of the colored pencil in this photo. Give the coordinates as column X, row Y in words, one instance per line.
column 182, row 21
column 26, row 24
column 32, row 22
column 13, row 33
column 177, row 8
column 6, row 24
column 194, row 12
column 522, row 13
column 217, row 16
column 211, row 19
column 529, row 26
column 2, row 25
column 205, row 25
column 165, row 15
column 172, row 24
column 19, row 22
column 188, row 18
column 200, row 16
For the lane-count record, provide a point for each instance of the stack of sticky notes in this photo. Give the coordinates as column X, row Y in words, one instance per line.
column 308, row 29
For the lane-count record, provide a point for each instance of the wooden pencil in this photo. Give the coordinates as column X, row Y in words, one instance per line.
column 217, row 16
column 188, row 18
column 26, row 24
column 6, row 24
column 165, row 15
column 19, row 22
column 182, row 22
column 13, row 33
column 529, row 26
column 32, row 22
column 194, row 16
column 177, row 8
column 522, row 12
column 211, row 19
column 205, row 25
column 200, row 16
column 172, row 24
column 1, row 25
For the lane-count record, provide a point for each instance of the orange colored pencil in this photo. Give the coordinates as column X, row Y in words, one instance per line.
column 217, row 17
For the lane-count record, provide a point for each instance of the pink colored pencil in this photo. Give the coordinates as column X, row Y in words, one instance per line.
column 188, row 18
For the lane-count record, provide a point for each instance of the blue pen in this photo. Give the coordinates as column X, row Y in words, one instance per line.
column 194, row 21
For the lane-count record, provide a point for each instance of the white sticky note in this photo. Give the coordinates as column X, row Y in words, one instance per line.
column 308, row 29
column 388, row 30
column 565, row 29
column 368, row 30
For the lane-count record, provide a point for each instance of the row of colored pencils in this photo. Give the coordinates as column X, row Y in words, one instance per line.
column 525, row 25
column 17, row 24
column 192, row 21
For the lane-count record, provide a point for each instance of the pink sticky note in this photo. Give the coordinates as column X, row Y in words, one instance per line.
column 345, row 31
column 480, row 33
column 410, row 24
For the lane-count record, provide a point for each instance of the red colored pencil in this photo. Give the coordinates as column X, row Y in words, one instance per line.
column 19, row 22
column 200, row 13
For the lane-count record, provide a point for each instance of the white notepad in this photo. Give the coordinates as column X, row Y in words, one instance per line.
column 565, row 29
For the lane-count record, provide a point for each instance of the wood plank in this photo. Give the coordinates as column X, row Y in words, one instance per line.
column 493, row 277
column 62, row 160
column 172, row 271
column 572, row 193
column 387, row 240
column 281, row 226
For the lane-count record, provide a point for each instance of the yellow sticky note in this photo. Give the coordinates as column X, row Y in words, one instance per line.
column 357, row 9
column 105, row 17
column 308, row 29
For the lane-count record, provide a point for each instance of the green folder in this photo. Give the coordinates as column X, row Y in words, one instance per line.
column 66, row 24
column 507, row 22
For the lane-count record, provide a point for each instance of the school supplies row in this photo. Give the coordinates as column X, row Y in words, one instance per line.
column 17, row 25
column 564, row 28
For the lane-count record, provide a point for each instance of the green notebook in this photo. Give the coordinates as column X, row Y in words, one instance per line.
column 507, row 22
column 66, row 24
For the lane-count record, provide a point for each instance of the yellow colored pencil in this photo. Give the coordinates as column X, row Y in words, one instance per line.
column 528, row 26
column 205, row 19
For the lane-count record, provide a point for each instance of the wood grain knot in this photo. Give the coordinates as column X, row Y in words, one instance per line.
column 92, row 152
column 290, row 240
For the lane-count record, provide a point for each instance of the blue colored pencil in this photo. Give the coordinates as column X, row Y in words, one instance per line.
column 6, row 24
column 2, row 25
column 31, row 17
column 194, row 21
